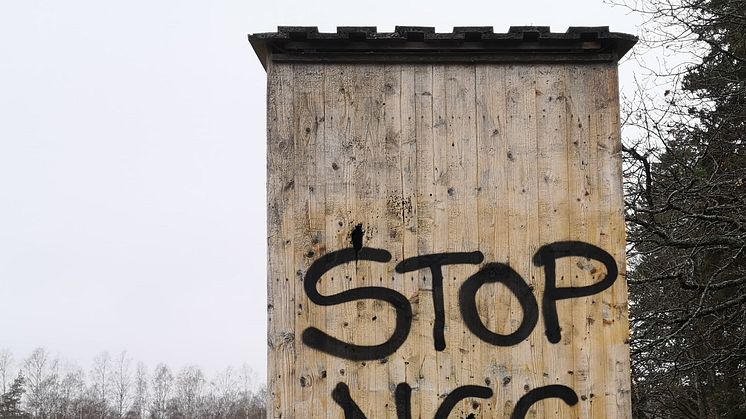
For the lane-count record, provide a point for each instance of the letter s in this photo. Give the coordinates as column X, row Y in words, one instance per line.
column 321, row 341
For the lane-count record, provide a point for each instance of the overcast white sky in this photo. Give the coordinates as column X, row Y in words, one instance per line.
column 132, row 165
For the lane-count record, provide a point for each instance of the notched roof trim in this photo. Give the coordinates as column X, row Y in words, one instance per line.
column 412, row 44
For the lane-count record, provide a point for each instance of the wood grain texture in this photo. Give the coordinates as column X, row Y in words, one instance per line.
column 281, row 231
column 500, row 159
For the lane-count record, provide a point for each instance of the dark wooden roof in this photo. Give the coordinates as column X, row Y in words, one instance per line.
column 418, row 44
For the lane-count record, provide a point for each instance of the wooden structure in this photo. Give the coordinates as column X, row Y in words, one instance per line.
column 445, row 223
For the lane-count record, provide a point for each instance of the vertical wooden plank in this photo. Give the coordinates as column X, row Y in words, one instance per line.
column 411, row 351
column 493, row 301
column 426, row 390
column 338, row 174
column 308, row 219
column 394, row 210
column 441, row 143
column 523, row 218
column 621, row 327
column 605, row 399
column 281, row 298
column 554, row 217
column 600, row 303
column 612, row 237
column 576, row 141
column 583, row 201
column 461, row 178
column 408, row 154
column 371, row 163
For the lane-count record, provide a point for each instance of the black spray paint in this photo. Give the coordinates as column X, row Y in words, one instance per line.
column 500, row 273
column 403, row 397
column 356, row 237
column 403, row 394
column 459, row 394
column 436, row 262
column 341, row 395
column 547, row 392
column 317, row 339
column 547, row 256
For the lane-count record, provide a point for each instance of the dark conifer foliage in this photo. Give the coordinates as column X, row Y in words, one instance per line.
column 10, row 401
column 685, row 180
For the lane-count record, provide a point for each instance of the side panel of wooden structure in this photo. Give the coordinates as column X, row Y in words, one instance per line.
column 430, row 159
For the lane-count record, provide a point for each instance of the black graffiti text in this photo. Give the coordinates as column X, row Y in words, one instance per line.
column 403, row 393
column 545, row 257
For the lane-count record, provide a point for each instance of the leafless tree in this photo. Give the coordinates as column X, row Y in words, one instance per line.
column 140, row 399
column 162, row 387
column 72, row 393
column 121, row 384
column 225, row 392
column 189, row 391
column 40, row 372
column 100, row 382
column 61, row 390
column 6, row 375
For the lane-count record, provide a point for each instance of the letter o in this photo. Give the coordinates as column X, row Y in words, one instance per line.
column 491, row 273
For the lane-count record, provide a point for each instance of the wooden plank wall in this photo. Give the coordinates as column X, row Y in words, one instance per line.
column 443, row 159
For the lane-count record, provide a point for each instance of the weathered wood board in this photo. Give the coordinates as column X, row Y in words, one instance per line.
column 446, row 239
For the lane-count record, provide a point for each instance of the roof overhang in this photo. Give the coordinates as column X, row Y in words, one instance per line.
column 417, row 44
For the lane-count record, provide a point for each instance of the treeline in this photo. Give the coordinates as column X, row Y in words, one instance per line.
column 43, row 386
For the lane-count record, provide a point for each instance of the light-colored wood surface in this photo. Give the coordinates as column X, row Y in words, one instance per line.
column 425, row 362
column 282, row 336
column 554, row 215
column 500, row 159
